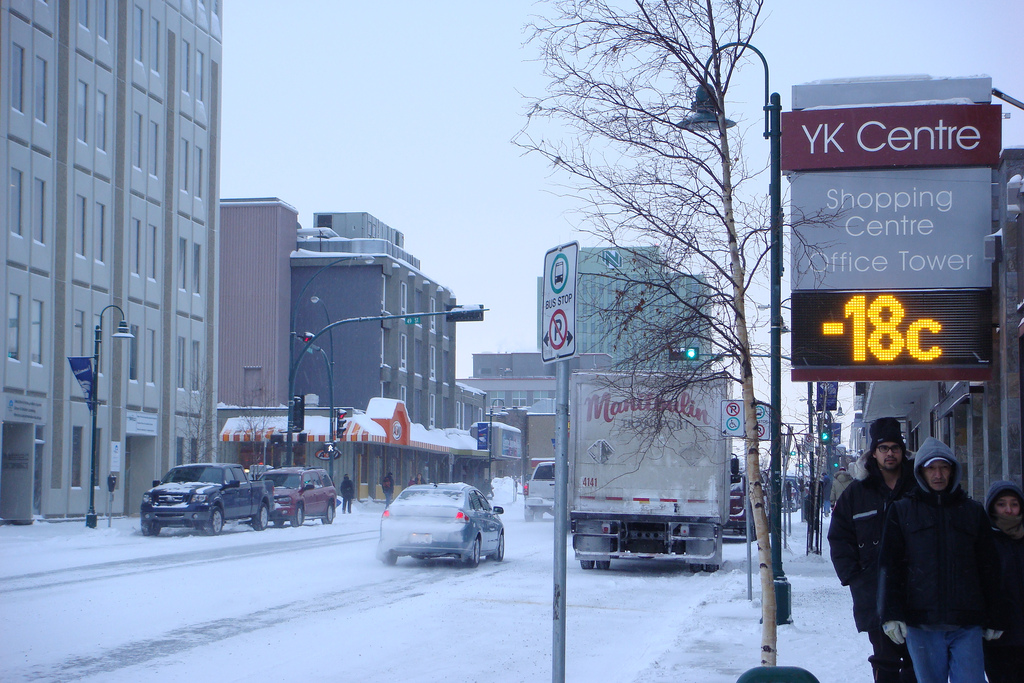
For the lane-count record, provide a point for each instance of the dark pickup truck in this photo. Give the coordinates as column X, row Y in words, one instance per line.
column 203, row 496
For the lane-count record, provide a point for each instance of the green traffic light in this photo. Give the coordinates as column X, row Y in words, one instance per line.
column 692, row 353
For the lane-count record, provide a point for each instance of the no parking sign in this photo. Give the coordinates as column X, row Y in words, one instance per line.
column 732, row 419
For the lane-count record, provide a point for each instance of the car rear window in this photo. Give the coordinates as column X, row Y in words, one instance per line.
column 544, row 472
column 429, row 497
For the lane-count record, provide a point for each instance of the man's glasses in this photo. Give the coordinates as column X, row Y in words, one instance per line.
column 883, row 448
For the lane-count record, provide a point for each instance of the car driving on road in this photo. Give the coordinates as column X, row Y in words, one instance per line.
column 539, row 492
column 441, row 520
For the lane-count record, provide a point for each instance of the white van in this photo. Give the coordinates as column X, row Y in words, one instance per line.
column 539, row 492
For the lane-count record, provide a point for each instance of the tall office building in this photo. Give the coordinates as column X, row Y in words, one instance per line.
column 110, row 112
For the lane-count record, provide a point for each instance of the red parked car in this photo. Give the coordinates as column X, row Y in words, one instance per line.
column 301, row 492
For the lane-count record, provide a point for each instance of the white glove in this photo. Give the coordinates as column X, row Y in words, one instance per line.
column 896, row 630
column 991, row 634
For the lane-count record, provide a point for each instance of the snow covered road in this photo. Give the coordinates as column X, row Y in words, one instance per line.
column 314, row 604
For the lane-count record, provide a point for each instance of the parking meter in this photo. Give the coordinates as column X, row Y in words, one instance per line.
column 111, row 482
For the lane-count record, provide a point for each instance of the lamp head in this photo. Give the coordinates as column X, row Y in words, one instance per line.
column 122, row 331
column 702, row 117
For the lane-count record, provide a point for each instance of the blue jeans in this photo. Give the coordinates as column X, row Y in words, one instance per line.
column 941, row 656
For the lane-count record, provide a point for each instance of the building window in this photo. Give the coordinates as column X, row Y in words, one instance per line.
column 13, row 326
column 99, row 230
column 200, row 82
column 14, row 202
column 404, row 303
column 186, row 65
column 184, row 164
column 403, row 394
column 519, row 399
column 432, row 411
column 81, row 221
column 197, row 260
column 433, row 319
column 195, row 366
column 101, row 18
column 137, row 142
column 78, row 339
column 18, row 78
column 76, row 457
column 179, row 450
column 458, row 414
column 403, row 352
column 136, row 245
column 154, row 44
column 35, row 332
column 40, row 95
column 199, row 172
column 133, row 354
column 433, row 362
column 182, row 255
column 82, row 112
column 83, row 13
column 101, row 120
column 153, row 251
column 154, row 148
column 181, row 363
column 39, row 211
column 139, row 34
column 150, row 356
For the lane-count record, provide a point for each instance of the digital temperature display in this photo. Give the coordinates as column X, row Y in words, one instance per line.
column 918, row 334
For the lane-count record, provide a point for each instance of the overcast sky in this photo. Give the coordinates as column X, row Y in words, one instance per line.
column 406, row 109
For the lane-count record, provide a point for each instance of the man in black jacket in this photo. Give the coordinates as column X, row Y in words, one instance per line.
column 882, row 475
column 939, row 572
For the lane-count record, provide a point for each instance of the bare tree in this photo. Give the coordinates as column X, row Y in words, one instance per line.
column 622, row 75
column 198, row 418
column 256, row 420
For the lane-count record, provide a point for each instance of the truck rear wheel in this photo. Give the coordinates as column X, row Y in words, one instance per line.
column 587, row 564
column 260, row 519
column 603, row 564
column 528, row 514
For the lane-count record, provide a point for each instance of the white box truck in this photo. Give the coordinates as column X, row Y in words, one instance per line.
column 649, row 473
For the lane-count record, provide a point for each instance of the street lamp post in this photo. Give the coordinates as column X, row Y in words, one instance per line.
column 122, row 333
column 703, row 116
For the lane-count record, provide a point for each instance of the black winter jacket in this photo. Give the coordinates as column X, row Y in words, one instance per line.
column 348, row 489
column 855, row 534
column 938, row 563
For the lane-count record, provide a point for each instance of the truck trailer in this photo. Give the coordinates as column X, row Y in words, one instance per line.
column 649, row 472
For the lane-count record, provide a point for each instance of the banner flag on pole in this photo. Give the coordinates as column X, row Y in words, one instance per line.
column 81, row 366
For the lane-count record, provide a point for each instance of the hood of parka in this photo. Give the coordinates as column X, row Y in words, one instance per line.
column 997, row 489
column 933, row 448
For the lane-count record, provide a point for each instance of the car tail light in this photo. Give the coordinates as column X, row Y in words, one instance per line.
column 526, row 489
column 460, row 516
column 387, row 513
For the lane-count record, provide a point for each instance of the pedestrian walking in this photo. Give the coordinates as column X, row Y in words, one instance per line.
column 939, row 573
column 839, row 484
column 1004, row 656
column 387, row 485
column 882, row 475
column 348, row 492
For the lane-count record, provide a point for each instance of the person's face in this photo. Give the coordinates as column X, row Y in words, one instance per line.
column 937, row 473
column 1007, row 505
column 889, row 455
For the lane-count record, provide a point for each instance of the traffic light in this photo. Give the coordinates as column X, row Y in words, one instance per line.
column 461, row 314
column 686, row 353
column 825, row 436
column 297, row 413
column 342, row 422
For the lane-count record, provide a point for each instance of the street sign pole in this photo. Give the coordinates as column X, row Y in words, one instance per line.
column 558, row 343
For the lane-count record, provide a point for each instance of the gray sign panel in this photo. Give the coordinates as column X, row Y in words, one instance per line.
column 898, row 229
